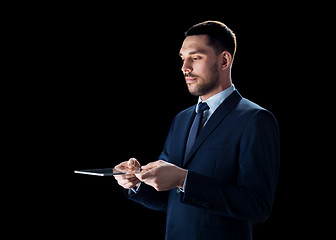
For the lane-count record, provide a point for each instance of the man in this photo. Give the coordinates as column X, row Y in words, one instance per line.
column 216, row 182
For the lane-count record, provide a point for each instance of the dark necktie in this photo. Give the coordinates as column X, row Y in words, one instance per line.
column 194, row 130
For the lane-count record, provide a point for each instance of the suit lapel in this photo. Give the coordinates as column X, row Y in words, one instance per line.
column 217, row 117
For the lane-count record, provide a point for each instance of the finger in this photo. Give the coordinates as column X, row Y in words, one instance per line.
column 133, row 163
column 131, row 185
column 151, row 165
column 128, row 183
column 128, row 180
column 145, row 175
column 121, row 166
column 129, row 176
column 124, row 176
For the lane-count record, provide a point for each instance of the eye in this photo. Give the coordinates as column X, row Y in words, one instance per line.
column 196, row 58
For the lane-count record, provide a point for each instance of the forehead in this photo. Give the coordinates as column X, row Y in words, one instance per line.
column 198, row 43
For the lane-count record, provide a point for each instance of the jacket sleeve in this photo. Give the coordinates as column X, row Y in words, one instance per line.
column 252, row 196
column 147, row 195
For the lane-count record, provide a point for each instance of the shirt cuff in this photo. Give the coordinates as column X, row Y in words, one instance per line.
column 184, row 184
column 135, row 189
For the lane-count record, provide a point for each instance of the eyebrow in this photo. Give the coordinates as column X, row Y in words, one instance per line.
column 193, row 52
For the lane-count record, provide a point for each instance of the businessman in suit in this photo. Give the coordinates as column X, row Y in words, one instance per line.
column 218, row 171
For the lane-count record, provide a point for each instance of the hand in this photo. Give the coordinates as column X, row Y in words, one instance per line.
column 162, row 175
column 128, row 181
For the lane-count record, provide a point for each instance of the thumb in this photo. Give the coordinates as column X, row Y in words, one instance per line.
column 151, row 165
column 133, row 163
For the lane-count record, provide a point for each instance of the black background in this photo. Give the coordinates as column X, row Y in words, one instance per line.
column 108, row 86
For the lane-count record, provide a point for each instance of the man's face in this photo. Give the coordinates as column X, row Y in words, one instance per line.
column 200, row 65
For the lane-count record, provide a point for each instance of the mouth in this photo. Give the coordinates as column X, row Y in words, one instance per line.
column 190, row 79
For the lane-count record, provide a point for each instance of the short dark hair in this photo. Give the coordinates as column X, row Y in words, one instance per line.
column 221, row 38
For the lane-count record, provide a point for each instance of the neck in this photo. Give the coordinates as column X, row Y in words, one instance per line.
column 221, row 87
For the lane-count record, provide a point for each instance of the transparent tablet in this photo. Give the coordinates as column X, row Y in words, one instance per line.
column 109, row 171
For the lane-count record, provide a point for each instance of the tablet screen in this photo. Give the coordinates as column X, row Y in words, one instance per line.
column 108, row 171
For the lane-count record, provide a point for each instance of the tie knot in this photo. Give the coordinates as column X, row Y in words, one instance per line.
column 202, row 107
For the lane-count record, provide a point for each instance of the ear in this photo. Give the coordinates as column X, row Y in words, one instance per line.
column 226, row 60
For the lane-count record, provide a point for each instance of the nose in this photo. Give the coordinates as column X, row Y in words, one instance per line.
column 186, row 66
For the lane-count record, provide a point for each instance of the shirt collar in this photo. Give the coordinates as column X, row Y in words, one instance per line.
column 216, row 100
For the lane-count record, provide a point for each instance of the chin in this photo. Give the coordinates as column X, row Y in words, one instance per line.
column 194, row 92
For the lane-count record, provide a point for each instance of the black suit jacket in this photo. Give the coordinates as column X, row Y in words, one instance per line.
column 232, row 176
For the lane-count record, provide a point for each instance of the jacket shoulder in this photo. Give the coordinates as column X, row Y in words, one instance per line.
column 248, row 105
column 252, row 110
column 186, row 112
